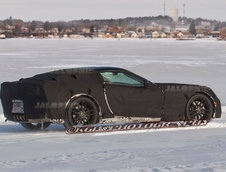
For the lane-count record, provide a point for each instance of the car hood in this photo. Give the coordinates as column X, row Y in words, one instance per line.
column 177, row 87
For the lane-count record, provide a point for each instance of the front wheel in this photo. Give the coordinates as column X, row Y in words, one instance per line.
column 35, row 126
column 199, row 107
column 82, row 111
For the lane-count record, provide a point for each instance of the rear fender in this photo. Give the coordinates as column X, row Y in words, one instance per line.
column 88, row 96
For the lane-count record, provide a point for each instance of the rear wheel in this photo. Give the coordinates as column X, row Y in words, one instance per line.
column 199, row 107
column 82, row 111
column 35, row 126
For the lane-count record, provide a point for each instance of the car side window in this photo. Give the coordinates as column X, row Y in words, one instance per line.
column 119, row 78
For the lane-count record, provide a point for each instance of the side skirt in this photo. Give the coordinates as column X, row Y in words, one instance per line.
column 122, row 119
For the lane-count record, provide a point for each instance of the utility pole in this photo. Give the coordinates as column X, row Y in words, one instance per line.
column 164, row 8
column 184, row 6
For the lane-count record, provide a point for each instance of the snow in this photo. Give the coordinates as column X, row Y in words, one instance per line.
column 184, row 149
column 164, row 150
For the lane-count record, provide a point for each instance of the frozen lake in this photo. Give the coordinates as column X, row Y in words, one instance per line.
column 169, row 150
column 199, row 62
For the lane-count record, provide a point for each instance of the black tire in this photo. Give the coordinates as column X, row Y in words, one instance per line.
column 35, row 126
column 82, row 111
column 199, row 107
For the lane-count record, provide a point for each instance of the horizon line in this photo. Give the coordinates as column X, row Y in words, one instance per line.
column 69, row 20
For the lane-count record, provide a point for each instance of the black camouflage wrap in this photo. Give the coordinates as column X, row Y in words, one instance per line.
column 47, row 95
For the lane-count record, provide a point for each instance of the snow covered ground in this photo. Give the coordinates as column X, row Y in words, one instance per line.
column 188, row 149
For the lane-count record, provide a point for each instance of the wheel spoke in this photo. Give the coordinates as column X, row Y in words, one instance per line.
column 199, row 107
column 192, row 111
column 82, row 111
column 198, row 117
column 194, row 104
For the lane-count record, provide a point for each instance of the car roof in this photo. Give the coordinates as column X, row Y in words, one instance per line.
column 78, row 71
column 101, row 68
column 74, row 71
column 85, row 70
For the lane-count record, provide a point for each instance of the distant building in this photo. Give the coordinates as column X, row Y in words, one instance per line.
column 51, row 36
column 184, row 35
column 24, row 30
column 205, row 25
column 155, row 34
column 140, row 32
column 65, row 36
column 175, row 14
column 1, row 31
column 8, row 27
column 173, row 35
column 86, row 30
column 102, row 31
column 180, row 35
column 40, row 30
column 2, row 36
column 68, row 31
column 167, row 29
column 54, row 30
column 202, row 33
column 215, row 34
column 182, row 28
column 163, row 35
column 132, row 34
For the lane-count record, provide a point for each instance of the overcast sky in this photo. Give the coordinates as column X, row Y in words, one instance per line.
column 55, row 10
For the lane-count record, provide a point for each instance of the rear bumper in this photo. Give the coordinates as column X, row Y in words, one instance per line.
column 19, row 101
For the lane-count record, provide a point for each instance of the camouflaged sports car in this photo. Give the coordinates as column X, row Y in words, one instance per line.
column 95, row 94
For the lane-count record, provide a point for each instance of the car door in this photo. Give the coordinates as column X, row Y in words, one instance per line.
column 127, row 95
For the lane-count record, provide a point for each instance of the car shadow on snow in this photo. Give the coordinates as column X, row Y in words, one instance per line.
column 17, row 128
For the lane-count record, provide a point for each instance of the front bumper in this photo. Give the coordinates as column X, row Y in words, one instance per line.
column 217, row 105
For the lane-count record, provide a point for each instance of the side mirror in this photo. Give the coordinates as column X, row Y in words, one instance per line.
column 147, row 84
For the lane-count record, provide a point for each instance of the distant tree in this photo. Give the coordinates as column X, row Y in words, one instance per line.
column 139, row 30
column 10, row 20
column 92, row 29
column 47, row 25
column 61, row 25
column 223, row 24
column 18, row 25
column 112, row 25
column 33, row 25
column 217, row 26
column 131, row 28
column 223, row 33
column 192, row 29
column 17, row 22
